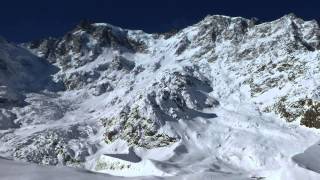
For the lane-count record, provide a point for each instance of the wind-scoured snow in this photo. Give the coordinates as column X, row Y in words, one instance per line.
column 226, row 98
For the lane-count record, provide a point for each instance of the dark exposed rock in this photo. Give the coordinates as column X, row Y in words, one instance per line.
column 307, row 110
column 171, row 33
column 182, row 46
column 121, row 63
column 77, row 80
column 77, row 42
column 136, row 129
column 85, row 24
column 102, row 67
column 311, row 117
column 299, row 39
column 101, row 89
column 45, row 48
column 56, row 149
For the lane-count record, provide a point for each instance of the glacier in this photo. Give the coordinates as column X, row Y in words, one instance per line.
column 226, row 98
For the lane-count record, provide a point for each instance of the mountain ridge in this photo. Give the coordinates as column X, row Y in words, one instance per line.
column 225, row 96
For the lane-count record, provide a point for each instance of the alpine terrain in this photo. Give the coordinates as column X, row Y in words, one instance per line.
column 226, row 98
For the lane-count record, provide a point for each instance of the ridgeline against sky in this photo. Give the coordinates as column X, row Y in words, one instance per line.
column 34, row 19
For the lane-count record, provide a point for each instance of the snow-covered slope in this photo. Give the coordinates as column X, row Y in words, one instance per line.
column 224, row 98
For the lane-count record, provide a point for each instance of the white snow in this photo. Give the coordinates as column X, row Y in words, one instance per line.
column 234, row 139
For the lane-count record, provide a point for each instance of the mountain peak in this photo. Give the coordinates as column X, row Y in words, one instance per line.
column 227, row 91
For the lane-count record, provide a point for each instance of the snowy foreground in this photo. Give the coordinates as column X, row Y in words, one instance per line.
column 24, row 171
column 11, row 170
column 226, row 98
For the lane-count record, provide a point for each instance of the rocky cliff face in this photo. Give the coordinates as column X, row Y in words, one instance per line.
column 224, row 95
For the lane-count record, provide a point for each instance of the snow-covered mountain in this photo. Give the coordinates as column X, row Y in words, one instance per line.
column 226, row 98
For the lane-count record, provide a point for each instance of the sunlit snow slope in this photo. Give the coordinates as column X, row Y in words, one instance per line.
column 226, row 98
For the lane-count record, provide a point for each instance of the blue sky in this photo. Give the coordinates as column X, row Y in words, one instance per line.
column 26, row 20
